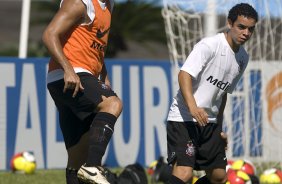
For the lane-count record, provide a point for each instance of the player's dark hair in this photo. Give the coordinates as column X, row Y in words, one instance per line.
column 243, row 9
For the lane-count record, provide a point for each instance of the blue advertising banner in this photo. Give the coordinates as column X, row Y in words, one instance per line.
column 29, row 120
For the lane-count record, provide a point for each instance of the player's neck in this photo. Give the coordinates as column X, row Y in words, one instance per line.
column 235, row 47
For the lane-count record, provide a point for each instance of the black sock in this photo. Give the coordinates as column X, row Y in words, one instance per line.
column 203, row 180
column 174, row 180
column 71, row 176
column 100, row 133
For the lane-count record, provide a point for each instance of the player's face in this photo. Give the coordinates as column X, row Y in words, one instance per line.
column 241, row 30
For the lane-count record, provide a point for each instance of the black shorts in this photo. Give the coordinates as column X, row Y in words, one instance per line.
column 76, row 114
column 201, row 148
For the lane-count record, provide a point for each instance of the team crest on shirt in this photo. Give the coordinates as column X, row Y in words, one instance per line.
column 190, row 150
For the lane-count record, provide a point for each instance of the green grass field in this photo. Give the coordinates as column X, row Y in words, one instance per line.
column 39, row 177
column 57, row 176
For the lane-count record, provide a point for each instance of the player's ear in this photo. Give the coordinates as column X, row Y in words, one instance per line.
column 229, row 23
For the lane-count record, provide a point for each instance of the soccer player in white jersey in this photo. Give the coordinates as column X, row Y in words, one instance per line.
column 194, row 122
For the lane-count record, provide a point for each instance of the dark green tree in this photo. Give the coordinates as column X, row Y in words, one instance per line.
column 135, row 20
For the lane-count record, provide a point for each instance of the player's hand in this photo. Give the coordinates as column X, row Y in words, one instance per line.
column 72, row 82
column 200, row 115
column 224, row 137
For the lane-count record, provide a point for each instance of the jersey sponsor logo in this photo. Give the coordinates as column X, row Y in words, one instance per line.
column 190, row 150
column 220, row 84
column 101, row 34
column 98, row 46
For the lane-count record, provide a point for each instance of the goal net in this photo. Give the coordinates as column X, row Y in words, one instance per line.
column 252, row 118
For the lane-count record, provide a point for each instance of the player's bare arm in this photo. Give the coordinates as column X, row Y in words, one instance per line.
column 185, row 84
column 104, row 76
column 71, row 13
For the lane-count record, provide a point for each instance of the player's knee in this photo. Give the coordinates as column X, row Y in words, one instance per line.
column 183, row 173
column 112, row 105
column 219, row 179
column 117, row 105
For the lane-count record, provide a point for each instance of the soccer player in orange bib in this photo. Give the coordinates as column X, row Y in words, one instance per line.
column 78, row 82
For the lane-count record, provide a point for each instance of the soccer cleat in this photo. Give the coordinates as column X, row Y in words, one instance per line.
column 93, row 175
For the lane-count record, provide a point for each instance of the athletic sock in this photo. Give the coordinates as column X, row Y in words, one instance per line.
column 203, row 180
column 100, row 133
column 174, row 180
column 71, row 176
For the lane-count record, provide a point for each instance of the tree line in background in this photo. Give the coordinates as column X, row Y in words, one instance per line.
column 131, row 20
